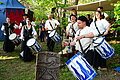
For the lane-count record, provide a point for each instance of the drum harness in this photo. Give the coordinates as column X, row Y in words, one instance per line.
column 83, row 51
column 98, row 32
column 74, row 32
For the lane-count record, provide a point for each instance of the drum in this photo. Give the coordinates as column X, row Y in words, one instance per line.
column 80, row 68
column 103, row 48
column 33, row 45
column 55, row 36
column 15, row 39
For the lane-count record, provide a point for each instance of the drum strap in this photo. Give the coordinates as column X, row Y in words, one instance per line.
column 74, row 32
column 51, row 25
column 97, row 29
column 80, row 44
column 83, row 51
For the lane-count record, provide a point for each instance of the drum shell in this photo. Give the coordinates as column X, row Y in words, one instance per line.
column 16, row 40
column 80, row 68
column 56, row 37
column 104, row 49
column 35, row 47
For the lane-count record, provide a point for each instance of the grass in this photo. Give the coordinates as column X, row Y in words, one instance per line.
column 13, row 68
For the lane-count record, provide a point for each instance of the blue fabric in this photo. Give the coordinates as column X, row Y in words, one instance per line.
column 6, row 4
column 11, row 4
column 2, row 20
column 117, row 69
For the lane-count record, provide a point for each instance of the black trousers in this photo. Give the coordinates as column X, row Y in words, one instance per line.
column 8, row 45
column 89, row 56
column 27, row 53
column 50, row 43
column 99, row 61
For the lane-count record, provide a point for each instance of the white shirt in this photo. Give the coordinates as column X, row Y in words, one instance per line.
column 33, row 32
column 69, row 28
column 102, row 25
column 85, row 42
column 105, row 14
column 3, row 29
column 33, row 23
column 54, row 24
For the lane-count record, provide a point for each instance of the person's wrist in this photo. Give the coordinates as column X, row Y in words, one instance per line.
column 83, row 36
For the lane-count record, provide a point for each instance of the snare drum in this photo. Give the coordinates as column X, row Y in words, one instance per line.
column 80, row 68
column 34, row 45
column 103, row 48
column 55, row 36
column 15, row 39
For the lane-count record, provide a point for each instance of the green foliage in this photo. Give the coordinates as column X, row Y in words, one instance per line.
column 42, row 8
column 117, row 48
column 64, row 22
column 117, row 13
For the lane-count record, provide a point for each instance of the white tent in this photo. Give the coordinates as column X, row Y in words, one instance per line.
column 107, row 5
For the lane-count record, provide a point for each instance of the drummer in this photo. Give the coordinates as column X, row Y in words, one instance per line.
column 83, row 39
column 71, row 30
column 50, row 25
column 8, row 29
column 22, row 23
column 103, row 27
column 72, row 27
column 27, row 32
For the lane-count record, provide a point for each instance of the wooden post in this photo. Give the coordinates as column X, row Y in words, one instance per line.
column 47, row 66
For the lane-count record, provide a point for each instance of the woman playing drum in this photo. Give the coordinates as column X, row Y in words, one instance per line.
column 8, row 29
column 100, row 27
column 27, row 33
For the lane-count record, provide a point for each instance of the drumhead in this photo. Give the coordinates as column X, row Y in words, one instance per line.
column 31, row 42
column 12, row 36
column 52, row 33
column 98, row 41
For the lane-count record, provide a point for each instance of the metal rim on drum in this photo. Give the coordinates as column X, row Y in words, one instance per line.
column 12, row 36
column 29, row 41
column 54, row 32
column 98, row 43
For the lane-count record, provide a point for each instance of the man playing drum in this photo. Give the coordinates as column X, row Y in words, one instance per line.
column 83, row 39
column 50, row 25
column 71, row 30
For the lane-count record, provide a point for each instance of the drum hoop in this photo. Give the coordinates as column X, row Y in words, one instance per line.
column 54, row 33
column 100, row 43
column 33, row 44
column 68, row 62
column 14, row 38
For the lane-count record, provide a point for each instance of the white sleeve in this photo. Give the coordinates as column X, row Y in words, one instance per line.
column 106, row 15
column 20, row 26
column 46, row 24
column 57, row 22
column 2, row 28
column 106, row 24
column 33, row 23
column 34, row 31
column 21, row 33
